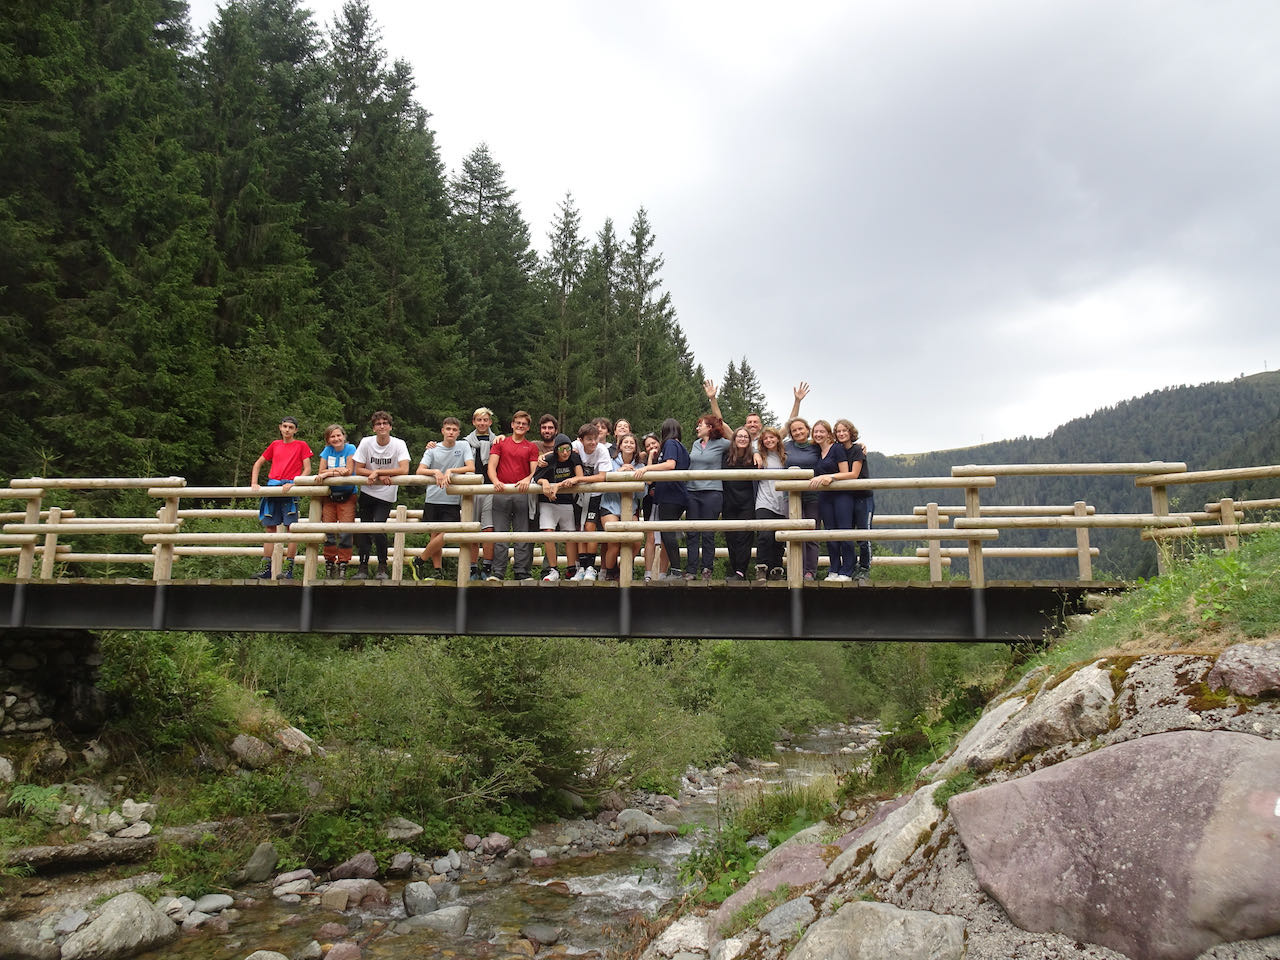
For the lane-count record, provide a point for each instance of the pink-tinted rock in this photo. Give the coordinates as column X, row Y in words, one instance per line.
column 362, row 892
column 1247, row 670
column 343, row 951
column 471, row 841
column 496, row 843
column 798, row 865
column 362, row 865
column 331, row 931
column 1159, row 847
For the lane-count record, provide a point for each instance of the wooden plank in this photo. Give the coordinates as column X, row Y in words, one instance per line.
column 1065, row 469
column 944, row 534
column 895, row 483
column 1211, row 476
column 1108, row 520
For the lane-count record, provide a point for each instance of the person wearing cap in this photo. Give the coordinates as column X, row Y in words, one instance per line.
column 555, row 510
column 290, row 458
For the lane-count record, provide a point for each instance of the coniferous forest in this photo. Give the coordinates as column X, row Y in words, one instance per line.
column 203, row 233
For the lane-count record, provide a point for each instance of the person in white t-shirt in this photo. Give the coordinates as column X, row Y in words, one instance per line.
column 379, row 458
column 596, row 462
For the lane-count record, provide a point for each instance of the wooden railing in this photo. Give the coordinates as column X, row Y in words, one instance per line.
column 53, row 535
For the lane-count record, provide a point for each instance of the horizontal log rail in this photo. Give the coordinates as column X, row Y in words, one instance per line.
column 53, row 534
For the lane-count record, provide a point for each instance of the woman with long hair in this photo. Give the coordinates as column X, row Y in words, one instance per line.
column 669, row 498
column 831, row 463
column 706, row 497
column 628, row 458
column 802, row 454
column 862, row 503
column 655, row 560
column 739, row 504
column 770, row 504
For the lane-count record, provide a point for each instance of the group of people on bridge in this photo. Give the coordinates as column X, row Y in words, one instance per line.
column 534, row 480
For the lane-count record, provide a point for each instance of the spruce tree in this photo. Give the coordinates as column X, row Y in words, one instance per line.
column 564, row 385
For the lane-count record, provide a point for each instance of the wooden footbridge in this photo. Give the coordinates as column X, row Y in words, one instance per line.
column 176, row 560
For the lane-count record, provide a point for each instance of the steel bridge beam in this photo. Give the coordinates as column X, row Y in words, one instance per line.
column 1001, row 612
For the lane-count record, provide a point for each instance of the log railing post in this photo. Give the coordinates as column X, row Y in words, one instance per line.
column 315, row 513
column 973, row 508
column 50, row 555
column 627, row 555
column 1227, row 517
column 795, row 549
column 467, row 513
column 27, row 557
column 162, row 566
column 935, row 546
column 397, row 562
column 1084, row 560
column 1160, row 508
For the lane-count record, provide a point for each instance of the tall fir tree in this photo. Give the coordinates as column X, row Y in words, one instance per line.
column 564, row 386
column 607, row 356
column 741, row 394
column 390, row 340
column 492, row 286
column 106, row 332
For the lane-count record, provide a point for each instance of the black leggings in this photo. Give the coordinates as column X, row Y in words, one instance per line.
column 670, row 538
column 372, row 510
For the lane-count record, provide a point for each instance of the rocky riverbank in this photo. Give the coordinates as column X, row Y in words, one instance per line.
column 1127, row 809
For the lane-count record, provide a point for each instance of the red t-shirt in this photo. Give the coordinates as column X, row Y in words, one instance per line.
column 514, row 459
column 286, row 458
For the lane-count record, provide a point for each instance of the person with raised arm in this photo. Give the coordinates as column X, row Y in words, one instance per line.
column 379, row 457
column 802, row 454
column 706, row 497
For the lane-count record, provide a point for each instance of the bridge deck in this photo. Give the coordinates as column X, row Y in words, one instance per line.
column 1003, row 611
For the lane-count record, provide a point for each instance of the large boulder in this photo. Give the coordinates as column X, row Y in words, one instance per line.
column 124, row 926
column 1159, row 847
column 1247, row 670
column 797, row 865
column 873, row 931
column 361, row 866
column 637, row 823
column 892, row 839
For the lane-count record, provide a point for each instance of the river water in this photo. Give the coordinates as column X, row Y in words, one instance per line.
column 598, row 902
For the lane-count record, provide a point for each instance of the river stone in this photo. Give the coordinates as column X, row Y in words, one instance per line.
column 344, row 951
column 496, row 843
column 125, row 925
column 266, row 955
column 401, row 865
column 251, row 752
column 1159, row 847
column 729, row 949
column 901, row 831
column 448, row 920
column 213, row 903
column 541, row 933
column 335, row 898
column 865, row 930
column 361, row 866
column 686, row 934
column 262, row 862
column 1247, row 670
column 133, row 811
column 781, row 923
column 637, row 823
column 419, row 897
column 362, row 891
column 441, row 866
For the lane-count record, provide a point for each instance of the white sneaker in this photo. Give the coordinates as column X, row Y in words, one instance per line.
column 590, row 574
column 580, row 575
column 553, row 574
column 837, row 578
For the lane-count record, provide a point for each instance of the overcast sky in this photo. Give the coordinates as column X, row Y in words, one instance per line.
column 960, row 222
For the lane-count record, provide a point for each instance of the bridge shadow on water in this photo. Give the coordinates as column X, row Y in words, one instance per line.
column 1000, row 612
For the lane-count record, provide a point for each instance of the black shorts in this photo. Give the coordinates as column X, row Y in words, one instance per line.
column 592, row 513
column 442, row 512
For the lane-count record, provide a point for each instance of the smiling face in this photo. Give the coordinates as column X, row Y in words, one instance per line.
column 742, row 438
column 820, row 434
column 842, row 433
column 336, row 438
column 769, row 440
column 548, row 430
column 520, row 426
column 482, row 422
column 622, row 428
column 799, row 431
column 651, row 445
column 753, row 425
column 382, row 430
column 627, row 447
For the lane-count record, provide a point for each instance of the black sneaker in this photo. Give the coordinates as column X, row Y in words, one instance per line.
column 521, row 576
column 382, row 573
column 422, row 569
column 735, row 577
column 778, row 573
column 287, row 572
column 362, row 572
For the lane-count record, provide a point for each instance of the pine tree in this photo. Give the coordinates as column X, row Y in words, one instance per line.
column 492, row 287
column 564, row 385
column 607, row 355
column 106, row 333
column 741, row 394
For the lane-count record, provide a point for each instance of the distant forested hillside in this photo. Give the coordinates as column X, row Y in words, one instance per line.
column 1207, row 426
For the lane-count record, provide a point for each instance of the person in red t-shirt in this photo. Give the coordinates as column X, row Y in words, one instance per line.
column 289, row 458
column 512, row 462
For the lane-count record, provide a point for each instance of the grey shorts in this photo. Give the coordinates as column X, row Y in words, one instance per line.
column 482, row 510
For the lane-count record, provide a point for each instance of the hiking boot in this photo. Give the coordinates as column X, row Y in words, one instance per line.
column 362, row 572
column 342, row 571
column 287, row 572
column 778, row 573
column 264, row 573
column 330, row 570
column 422, row 569
column 382, row 573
